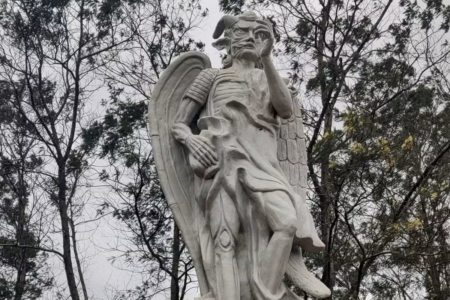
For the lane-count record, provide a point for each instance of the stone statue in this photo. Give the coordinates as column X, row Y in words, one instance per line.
column 233, row 173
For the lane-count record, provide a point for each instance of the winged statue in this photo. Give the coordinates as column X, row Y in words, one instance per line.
column 230, row 152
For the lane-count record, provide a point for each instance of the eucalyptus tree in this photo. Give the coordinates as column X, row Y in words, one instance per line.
column 48, row 57
column 368, row 76
column 151, row 242
column 23, row 264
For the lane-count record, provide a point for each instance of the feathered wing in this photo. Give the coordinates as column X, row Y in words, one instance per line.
column 176, row 177
column 292, row 158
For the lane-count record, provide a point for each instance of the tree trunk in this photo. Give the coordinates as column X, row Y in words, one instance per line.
column 325, row 199
column 71, row 281
column 20, row 235
column 77, row 260
column 325, row 209
column 174, row 282
column 19, row 287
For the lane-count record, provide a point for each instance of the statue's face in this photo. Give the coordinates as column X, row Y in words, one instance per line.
column 246, row 39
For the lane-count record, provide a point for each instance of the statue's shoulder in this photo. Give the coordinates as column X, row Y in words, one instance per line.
column 202, row 84
column 207, row 75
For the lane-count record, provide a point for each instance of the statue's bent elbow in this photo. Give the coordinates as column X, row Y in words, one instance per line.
column 285, row 114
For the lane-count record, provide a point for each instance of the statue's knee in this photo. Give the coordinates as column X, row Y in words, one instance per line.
column 289, row 226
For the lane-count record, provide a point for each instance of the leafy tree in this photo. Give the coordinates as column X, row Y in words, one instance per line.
column 162, row 31
column 48, row 57
column 22, row 269
column 369, row 71
column 156, row 251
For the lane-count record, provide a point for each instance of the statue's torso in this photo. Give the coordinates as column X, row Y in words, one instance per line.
column 249, row 88
column 255, row 121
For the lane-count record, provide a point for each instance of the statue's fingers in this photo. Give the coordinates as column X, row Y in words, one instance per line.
column 198, row 154
column 265, row 22
column 207, row 155
column 268, row 24
column 203, row 161
column 214, row 154
column 207, row 145
column 208, row 142
column 196, row 143
column 211, row 152
column 210, row 156
column 204, row 156
column 203, row 144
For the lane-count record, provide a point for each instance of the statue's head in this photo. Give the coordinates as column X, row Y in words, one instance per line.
column 243, row 36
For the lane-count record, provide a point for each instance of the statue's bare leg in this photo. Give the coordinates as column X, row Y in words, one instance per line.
column 282, row 219
column 224, row 222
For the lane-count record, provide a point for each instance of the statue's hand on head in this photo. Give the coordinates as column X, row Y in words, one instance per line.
column 269, row 39
column 202, row 149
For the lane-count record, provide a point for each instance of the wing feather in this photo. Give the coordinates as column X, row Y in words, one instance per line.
column 292, row 150
column 292, row 157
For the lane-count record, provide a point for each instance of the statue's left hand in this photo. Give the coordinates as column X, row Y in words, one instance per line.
column 202, row 149
column 268, row 42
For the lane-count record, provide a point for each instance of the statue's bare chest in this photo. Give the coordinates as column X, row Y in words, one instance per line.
column 249, row 89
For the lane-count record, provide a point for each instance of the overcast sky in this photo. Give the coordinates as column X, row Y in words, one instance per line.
column 100, row 274
column 97, row 238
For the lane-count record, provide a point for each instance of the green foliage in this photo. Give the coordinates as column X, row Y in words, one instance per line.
column 50, row 52
column 376, row 99
column 121, row 137
column 232, row 7
column 17, row 162
column 377, row 114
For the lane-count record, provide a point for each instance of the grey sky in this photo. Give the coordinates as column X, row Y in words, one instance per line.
column 100, row 274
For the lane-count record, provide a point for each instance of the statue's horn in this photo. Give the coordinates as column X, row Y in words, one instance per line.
column 226, row 22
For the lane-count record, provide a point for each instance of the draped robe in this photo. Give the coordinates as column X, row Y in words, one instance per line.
column 239, row 119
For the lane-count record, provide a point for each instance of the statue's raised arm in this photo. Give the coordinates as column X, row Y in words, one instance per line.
column 234, row 176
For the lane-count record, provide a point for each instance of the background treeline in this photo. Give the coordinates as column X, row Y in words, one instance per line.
column 74, row 154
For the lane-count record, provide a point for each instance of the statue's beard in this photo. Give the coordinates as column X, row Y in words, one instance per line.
column 245, row 51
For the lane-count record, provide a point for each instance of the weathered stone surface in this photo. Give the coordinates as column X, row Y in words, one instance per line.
column 285, row 166
column 297, row 108
column 293, row 174
column 293, row 151
column 303, row 177
column 292, row 129
column 232, row 166
column 284, row 132
column 302, row 193
column 282, row 150
column 301, row 146
column 299, row 125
